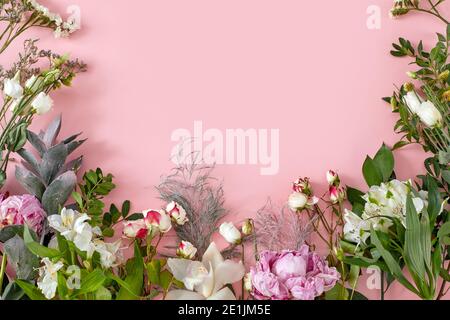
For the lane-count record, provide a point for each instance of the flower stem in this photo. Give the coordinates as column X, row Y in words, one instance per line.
column 2, row 271
column 243, row 279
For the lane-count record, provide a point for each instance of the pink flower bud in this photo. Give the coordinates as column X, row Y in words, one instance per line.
column 333, row 178
column 337, row 195
column 302, row 186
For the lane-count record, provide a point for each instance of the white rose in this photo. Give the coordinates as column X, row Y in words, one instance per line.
column 297, row 201
column 177, row 213
column 231, row 234
column 186, row 250
column 159, row 219
column 413, row 102
column 429, row 114
column 12, row 88
column 135, row 229
column 42, row 103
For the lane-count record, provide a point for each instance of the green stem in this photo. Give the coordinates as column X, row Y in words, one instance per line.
column 437, row 15
column 243, row 279
column 382, row 285
column 2, row 271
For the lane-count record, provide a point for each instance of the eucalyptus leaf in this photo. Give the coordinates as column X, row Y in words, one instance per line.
column 30, row 182
column 58, row 192
column 24, row 262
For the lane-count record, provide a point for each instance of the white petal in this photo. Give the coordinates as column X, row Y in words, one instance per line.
column 184, row 295
column 206, row 287
column 179, row 267
column 224, row 294
column 213, row 256
column 228, row 272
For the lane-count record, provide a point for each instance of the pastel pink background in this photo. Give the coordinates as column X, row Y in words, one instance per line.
column 309, row 68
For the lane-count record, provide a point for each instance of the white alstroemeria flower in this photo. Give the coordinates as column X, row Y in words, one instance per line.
column 73, row 226
column 206, row 279
column 48, row 277
column 231, row 234
column 108, row 252
column 412, row 101
column 42, row 103
column 12, row 88
column 356, row 229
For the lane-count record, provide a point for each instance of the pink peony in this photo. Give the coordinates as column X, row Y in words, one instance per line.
column 18, row 210
column 292, row 275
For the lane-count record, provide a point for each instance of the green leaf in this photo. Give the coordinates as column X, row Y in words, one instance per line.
column 135, row 279
column 12, row 292
column 400, row 145
column 62, row 286
column 434, row 199
column 38, row 249
column 392, row 264
column 103, row 294
column 384, row 161
column 126, row 208
column 355, row 295
column 371, row 173
column 58, row 192
column 24, row 262
column 135, row 216
column 353, row 276
column 337, row 293
column 153, row 271
column 414, row 252
column 444, row 232
column 166, row 279
column 115, row 213
column 355, row 196
column 92, row 282
column 30, row 290
column 78, row 199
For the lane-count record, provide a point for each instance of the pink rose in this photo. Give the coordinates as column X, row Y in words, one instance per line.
column 20, row 210
column 296, row 275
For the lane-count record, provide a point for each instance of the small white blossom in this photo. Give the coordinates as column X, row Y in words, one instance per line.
column 48, row 277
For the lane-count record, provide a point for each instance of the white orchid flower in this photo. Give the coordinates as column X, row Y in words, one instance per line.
column 205, row 280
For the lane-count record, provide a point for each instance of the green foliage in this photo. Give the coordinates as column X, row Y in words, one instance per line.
column 133, row 284
column 51, row 179
column 380, row 168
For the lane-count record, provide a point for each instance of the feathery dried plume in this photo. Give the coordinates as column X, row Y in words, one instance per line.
column 201, row 195
column 280, row 229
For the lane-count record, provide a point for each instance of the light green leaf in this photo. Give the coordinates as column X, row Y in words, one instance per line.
column 134, row 280
column 30, row 290
column 392, row 264
column 92, row 282
column 38, row 249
